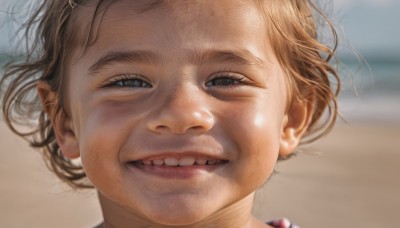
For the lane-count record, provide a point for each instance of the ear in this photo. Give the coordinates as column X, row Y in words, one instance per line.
column 61, row 123
column 295, row 125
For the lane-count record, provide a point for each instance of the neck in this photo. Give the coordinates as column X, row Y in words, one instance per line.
column 237, row 215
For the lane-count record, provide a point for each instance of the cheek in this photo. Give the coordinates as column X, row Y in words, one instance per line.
column 256, row 131
column 109, row 122
column 104, row 130
column 260, row 135
column 257, row 125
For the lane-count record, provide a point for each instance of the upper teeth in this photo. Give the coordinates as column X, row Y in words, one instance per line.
column 185, row 161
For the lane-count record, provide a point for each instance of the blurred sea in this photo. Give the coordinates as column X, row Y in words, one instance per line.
column 370, row 89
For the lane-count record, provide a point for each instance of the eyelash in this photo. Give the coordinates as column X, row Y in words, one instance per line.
column 236, row 79
column 227, row 79
column 124, row 78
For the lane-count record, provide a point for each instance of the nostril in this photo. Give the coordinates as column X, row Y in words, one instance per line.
column 196, row 128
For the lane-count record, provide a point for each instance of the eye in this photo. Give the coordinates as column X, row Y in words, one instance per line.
column 134, row 81
column 225, row 79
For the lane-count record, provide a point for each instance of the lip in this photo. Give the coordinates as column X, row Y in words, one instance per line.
column 177, row 172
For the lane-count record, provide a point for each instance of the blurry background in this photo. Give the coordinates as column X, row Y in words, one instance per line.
column 347, row 179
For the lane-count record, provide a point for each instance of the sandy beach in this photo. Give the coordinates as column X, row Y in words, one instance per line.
column 347, row 179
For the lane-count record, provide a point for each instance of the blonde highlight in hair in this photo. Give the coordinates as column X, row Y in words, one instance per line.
column 293, row 32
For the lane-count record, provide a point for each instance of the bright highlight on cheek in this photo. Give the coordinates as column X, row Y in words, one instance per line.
column 259, row 120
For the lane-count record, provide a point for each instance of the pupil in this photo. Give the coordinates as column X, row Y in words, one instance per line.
column 224, row 81
column 134, row 83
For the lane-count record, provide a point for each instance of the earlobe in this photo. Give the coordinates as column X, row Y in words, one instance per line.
column 60, row 122
column 295, row 125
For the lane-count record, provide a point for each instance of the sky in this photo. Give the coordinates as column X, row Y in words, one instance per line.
column 369, row 26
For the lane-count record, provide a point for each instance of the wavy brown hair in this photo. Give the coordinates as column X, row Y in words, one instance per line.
column 293, row 26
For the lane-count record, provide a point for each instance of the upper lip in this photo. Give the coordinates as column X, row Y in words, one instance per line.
column 200, row 148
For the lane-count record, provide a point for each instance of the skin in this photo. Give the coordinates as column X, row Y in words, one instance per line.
column 171, row 104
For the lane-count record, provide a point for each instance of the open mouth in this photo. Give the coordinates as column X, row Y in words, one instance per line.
column 178, row 167
column 178, row 162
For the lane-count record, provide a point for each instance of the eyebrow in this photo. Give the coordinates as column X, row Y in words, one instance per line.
column 241, row 57
column 111, row 58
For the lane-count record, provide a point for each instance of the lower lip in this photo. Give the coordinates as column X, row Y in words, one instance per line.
column 176, row 172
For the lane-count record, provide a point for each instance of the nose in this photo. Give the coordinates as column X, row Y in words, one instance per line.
column 185, row 110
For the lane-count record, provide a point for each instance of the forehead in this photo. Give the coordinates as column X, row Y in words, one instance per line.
column 177, row 7
column 99, row 18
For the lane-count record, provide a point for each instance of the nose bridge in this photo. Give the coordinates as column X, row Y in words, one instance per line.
column 184, row 95
column 184, row 109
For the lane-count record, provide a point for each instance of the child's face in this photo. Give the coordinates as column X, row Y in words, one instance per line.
column 191, row 82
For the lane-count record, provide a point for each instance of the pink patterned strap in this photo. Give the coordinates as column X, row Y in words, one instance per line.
column 282, row 223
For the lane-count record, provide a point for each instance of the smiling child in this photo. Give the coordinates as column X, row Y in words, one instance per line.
column 178, row 110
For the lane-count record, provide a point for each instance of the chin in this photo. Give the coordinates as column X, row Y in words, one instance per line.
column 179, row 215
